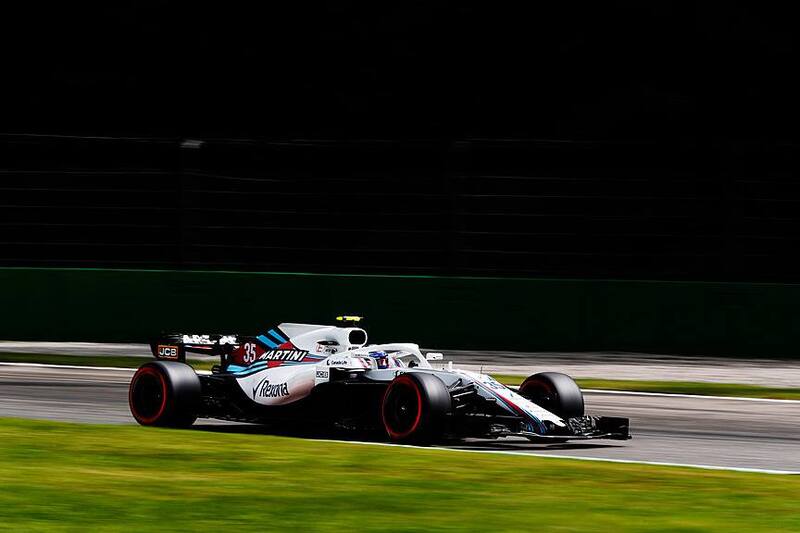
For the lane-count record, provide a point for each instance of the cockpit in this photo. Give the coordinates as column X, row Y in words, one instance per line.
column 395, row 359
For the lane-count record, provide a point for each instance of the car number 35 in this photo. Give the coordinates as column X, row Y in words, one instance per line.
column 249, row 352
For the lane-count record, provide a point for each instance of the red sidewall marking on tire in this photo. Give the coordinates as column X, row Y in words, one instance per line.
column 153, row 372
column 402, row 381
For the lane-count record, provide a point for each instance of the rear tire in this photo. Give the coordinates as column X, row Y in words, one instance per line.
column 558, row 393
column 164, row 393
column 415, row 408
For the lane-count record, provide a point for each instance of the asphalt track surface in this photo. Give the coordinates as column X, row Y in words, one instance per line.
column 716, row 432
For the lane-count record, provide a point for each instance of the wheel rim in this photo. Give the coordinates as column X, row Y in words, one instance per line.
column 148, row 395
column 402, row 408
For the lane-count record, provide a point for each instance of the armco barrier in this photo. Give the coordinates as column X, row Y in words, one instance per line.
column 478, row 313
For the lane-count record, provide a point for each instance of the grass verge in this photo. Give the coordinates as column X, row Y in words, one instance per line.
column 64, row 477
column 678, row 387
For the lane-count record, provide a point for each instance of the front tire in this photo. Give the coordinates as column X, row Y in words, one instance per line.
column 415, row 408
column 164, row 393
column 556, row 392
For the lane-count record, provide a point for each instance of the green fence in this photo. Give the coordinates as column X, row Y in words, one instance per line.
column 468, row 313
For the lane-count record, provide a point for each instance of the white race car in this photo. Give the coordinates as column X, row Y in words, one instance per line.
column 328, row 377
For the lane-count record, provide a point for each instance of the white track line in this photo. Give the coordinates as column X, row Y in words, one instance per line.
column 677, row 395
column 71, row 367
column 575, row 457
column 84, row 367
column 591, row 391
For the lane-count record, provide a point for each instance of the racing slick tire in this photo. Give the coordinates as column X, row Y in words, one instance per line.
column 164, row 393
column 415, row 407
column 558, row 393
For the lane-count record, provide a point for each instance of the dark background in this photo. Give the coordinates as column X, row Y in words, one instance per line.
column 640, row 140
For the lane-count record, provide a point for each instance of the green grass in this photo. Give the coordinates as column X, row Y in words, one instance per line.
column 93, row 360
column 676, row 387
column 74, row 477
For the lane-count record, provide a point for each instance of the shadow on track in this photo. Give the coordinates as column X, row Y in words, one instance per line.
column 287, row 431
column 524, row 445
column 507, row 444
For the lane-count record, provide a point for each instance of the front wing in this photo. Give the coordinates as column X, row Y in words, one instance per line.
column 587, row 427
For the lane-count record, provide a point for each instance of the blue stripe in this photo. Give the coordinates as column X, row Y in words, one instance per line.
column 277, row 336
column 235, row 369
column 266, row 340
column 258, row 366
column 249, row 371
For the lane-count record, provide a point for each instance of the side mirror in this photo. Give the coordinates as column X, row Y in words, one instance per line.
column 434, row 356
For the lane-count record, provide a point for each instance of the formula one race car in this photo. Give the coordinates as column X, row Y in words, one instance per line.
column 328, row 377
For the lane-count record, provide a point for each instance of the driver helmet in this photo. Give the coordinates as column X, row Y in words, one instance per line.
column 381, row 358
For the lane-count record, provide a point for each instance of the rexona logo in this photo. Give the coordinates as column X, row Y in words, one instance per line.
column 167, row 352
column 265, row 389
column 284, row 355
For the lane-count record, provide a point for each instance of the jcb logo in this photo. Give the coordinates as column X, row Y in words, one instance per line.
column 167, row 352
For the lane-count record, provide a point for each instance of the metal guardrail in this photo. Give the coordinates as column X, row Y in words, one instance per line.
column 471, row 207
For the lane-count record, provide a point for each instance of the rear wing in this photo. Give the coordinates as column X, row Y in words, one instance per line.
column 174, row 346
column 286, row 342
